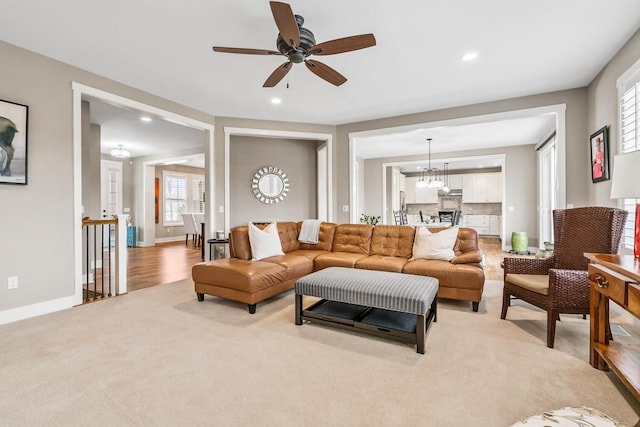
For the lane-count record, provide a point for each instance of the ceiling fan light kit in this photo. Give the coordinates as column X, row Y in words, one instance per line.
column 298, row 43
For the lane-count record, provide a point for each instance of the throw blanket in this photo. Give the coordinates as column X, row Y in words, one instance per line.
column 309, row 231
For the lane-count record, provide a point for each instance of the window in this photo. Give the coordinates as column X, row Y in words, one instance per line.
column 629, row 94
column 182, row 192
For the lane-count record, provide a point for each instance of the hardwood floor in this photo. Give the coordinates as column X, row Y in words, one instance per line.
column 170, row 262
column 162, row 263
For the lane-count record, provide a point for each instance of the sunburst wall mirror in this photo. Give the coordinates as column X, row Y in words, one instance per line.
column 270, row 185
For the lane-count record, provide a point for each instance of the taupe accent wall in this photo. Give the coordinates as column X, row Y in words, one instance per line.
column 297, row 158
column 91, row 160
column 45, row 207
column 602, row 101
column 222, row 123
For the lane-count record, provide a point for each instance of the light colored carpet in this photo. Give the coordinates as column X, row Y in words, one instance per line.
column 157, row 356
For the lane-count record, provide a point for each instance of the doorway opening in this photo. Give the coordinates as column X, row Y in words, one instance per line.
column 145, row 203
column 407, row 143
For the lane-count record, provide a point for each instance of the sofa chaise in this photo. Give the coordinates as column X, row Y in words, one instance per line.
column 360, row 246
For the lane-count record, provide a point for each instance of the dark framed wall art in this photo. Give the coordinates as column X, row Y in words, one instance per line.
column 13, row 142
column 599, row 142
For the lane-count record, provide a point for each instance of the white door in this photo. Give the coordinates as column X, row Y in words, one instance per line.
column 111, row 188
column 547, row 190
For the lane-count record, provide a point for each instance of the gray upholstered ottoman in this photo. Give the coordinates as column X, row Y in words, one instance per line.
column 381, row 303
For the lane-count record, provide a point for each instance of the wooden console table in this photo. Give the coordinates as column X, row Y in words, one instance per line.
column 615, row 278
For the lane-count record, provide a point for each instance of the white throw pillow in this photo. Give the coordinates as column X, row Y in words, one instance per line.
column 264, row 243
column 428, row 245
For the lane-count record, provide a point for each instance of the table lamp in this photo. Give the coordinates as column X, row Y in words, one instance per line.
column 626, row 185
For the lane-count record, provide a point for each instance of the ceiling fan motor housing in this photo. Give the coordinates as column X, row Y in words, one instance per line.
column 298, row 43
column 297, row 54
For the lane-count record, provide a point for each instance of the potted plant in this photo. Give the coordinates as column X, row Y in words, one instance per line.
column 366, row 219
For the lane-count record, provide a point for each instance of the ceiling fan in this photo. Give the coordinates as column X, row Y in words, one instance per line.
column 298, row 43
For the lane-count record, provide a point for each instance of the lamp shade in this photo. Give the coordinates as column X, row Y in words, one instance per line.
column 626, row 185
column 626, row 171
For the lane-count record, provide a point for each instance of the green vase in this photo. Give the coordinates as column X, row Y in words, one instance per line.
column 519, row 241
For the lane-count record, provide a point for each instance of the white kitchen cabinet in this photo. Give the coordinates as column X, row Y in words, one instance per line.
column 495, row 223
column 427, row 195
column 468, row 188
column 455, row 181
column 485, row 225
column 482, row 187
column 410, row 189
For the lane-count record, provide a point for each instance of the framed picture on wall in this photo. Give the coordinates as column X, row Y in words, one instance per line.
column 13, row 143
column 599, row 142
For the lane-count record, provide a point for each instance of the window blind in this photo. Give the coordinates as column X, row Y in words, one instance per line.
column 629, row 88
column 182, row 193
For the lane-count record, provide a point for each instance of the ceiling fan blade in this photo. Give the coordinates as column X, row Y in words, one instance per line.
column 286, row 22
column 245, row 51
column 325, row 72
column 277, row 75
column 345, row 44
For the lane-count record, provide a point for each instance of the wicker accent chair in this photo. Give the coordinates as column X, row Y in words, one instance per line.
column 559, row 284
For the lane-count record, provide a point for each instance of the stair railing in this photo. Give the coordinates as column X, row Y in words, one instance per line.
column 104, row 244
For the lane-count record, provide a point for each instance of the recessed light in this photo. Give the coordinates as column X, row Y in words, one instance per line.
column 480, row 167
column 276, row 101
column 146, row 119
column 469, row 56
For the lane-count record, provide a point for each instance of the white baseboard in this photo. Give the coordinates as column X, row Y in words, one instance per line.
column 39, row 309
column 170, row 239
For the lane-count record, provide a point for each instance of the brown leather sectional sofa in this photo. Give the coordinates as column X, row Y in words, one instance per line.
column 384, row 247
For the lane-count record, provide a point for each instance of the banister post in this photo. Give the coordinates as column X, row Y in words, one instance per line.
column 121, row 254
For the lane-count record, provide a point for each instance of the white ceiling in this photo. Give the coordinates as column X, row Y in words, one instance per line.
column 526, row 47
column 119, row 126
column 164, row 48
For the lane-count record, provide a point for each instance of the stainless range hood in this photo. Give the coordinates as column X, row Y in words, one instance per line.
column 455, row 192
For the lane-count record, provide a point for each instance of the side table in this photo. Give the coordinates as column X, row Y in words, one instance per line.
column 614, row 278
column 215, row 250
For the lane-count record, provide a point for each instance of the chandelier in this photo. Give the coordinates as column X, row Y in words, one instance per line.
column 433, row 174
column 119, row 151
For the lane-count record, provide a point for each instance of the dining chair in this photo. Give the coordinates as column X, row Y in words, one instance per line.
column 189, row 228
column 198, row 218
column 397, row 217
column 446, row 216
